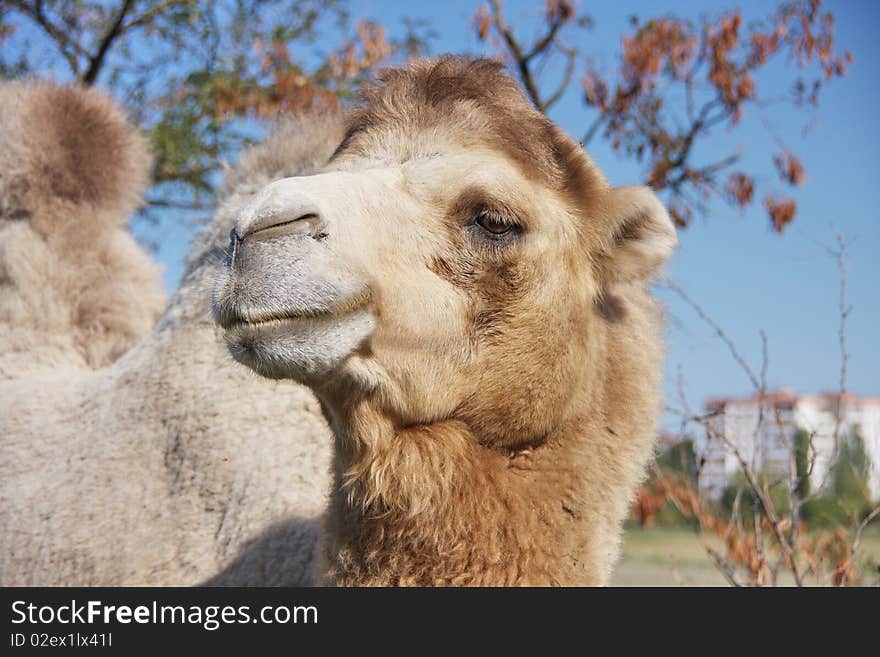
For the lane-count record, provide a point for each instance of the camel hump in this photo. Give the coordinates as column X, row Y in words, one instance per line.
column 77, row 288
column 68, row 153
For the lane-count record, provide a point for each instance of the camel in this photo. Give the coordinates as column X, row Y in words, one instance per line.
column 75, row 288
column 468, row 299
column 172, row 464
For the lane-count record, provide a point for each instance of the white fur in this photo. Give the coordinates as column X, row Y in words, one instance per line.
column 175, row 465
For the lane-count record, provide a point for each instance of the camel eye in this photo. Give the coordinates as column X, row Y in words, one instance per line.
column 491, row 224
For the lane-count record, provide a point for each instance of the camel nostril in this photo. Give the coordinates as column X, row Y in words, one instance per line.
column 232, row 251
column 276, row 224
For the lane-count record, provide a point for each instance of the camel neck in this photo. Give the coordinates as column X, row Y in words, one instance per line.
column 430, row 505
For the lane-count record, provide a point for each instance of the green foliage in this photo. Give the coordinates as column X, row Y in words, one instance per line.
column 801, row 446
column 749, row 502
column 849, row 475
column 823, row 512
column 678, row 461
column 680, row 458
column 847, row 497
column 202, row 77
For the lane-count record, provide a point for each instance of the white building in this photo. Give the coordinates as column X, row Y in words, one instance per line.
column 762, row 430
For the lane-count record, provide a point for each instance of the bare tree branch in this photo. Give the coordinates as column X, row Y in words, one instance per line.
column 146, row 17
column 593, row 129
column 178, row 205
column 96, row 61
column 68, row 47
column 519, row 57
column 548, row 38
column 571, row 54
column 718, row 331
column 523, row 58
column 839, row 255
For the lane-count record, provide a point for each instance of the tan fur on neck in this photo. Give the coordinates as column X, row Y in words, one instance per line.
column 434, row 505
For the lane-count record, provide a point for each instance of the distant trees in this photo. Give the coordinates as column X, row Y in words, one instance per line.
column 844, row 498
column 848, row 496
column 675, row 473
column 675, row 82
column 802, row 461
column 201, row 76
column 765, row 528
column 680, row 457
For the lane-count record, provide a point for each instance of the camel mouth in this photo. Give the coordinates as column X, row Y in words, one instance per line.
column 236, row 320
column 305, row 346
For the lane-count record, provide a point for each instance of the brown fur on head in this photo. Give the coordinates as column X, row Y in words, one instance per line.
column 477, row 101
column 76, row 288
column 460, row 286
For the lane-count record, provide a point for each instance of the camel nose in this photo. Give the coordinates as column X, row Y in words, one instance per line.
column 268, row 226
column 282, row 208
column 277, row 222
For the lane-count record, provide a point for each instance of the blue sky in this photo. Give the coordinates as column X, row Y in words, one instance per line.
column 744, row 275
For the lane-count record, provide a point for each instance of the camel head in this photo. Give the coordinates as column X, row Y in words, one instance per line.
column 457, row 258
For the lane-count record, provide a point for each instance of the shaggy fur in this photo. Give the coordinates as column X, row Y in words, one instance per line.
column 499, row 408
column 174, row 465
column 75, row 288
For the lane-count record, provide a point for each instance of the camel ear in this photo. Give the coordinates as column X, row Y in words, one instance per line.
column 641, row 236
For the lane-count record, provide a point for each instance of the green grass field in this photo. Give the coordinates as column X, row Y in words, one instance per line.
column 664, row 556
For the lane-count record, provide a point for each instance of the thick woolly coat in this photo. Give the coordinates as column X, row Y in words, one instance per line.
column 173, row 465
